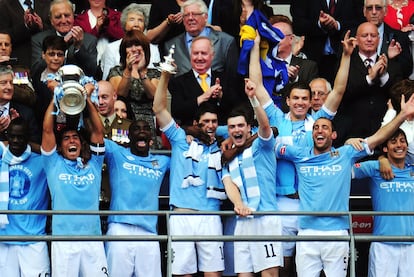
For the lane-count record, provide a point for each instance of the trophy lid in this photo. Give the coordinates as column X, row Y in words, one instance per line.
column 70, row 72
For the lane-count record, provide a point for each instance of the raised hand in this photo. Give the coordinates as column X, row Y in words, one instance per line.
column 348, row 44
column 293, row 71
column 216, row 90
column 327, row 21
column 394, row 49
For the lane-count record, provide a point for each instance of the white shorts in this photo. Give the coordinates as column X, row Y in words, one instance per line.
column 256, row 256
column 313, row 256
column 290, row 223
column 187, row 254
column 386, row 259
column 79, row 258
column 24, row 260
column 132, row 258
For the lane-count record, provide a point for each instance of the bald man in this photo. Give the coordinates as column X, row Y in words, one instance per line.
column 367, row 91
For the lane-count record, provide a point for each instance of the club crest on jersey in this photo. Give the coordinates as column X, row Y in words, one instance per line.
column 334, row 153
column 19, row 184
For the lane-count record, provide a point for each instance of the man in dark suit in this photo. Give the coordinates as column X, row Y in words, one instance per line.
column 367, row 92
column 374, row 12
column 22, row 21
column 188, row 91
column 299, row 69
column 10, row 109
column 82, row 50
column 323, row 23
column 195, row 16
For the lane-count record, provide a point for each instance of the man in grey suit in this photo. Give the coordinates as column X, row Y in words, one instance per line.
column 195, row 15
column 82, row 50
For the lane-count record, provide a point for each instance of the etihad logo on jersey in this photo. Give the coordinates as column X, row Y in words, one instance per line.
column 325, row 170
column 397, row 186
column 142, row 170
column 76, row 179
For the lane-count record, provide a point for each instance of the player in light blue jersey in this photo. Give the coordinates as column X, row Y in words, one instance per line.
column 73, row 171
column 249, row 178
column 195, row 185
column 25, row 188
column 135, row 178
column 295, row 128
column 396, row 195
column 324, row 175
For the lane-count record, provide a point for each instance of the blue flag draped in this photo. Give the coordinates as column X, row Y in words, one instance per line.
column 274, row 71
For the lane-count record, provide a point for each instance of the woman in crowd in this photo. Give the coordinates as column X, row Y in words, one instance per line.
column 130, row 77
column 133, row 17
column 122, row 108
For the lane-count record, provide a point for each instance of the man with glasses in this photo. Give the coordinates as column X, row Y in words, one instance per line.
column 320, row 88
column 374, row 12
column 195, row 15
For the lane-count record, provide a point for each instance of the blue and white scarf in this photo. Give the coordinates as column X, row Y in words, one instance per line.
column 215, row 188
column 249, row 191
column 286, row 129
column 8, row 159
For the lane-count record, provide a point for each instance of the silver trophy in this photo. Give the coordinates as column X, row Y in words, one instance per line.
column 73, row 100
column 168, row 64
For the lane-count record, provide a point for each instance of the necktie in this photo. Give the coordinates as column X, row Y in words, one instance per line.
column 332, row 5
column 210, row 12
column 203, row 83
column 106, row 123
column 367, row 63
column 28, row 3
column 2, row 110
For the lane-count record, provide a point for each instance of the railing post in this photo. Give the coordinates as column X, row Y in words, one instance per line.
column 352, row 269
column 169, row 249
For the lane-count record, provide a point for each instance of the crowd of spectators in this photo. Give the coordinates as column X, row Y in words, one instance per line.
column 332, row 71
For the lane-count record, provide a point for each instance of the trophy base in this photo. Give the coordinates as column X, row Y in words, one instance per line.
column 167, row 67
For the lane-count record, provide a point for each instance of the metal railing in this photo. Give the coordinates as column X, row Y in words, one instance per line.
column 351, row 237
